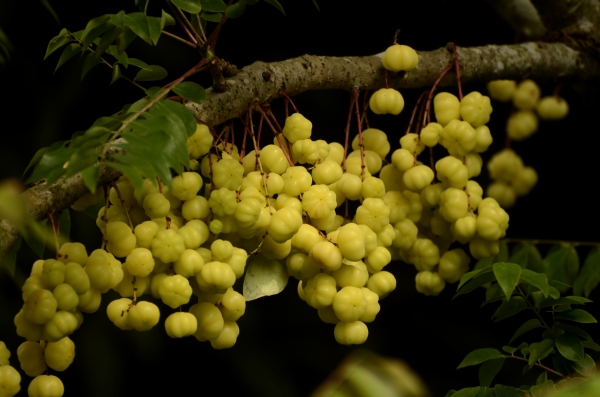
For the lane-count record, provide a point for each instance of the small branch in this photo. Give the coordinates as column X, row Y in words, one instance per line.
column 55, row 233
column 184, row 41
column 537, row 313
column 536, row 364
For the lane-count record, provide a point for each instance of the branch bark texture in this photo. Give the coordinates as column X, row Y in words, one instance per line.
column 574, row 18
column 262, row 82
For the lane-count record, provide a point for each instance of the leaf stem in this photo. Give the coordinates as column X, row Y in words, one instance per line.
column 537, row 313
column 177, row 13
column 536, row 364
column 55, row 233
column 184, row 41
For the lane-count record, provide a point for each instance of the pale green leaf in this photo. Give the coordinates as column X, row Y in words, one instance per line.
column 153, row 73
column 62, row 39
column 90, row 176
column 264, row 277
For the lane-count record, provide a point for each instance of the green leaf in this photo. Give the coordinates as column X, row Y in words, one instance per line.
column 526, row 327
column 213, row 5
column 125, row 39
column 154, row 24
column 489, row 370
column 90, row 176
column 479, row 356
column 116, row 74
column 574, row 330
column 527, row 256
column 537, row 351
column 211, row 16
column 276, row 4
column 94, row 29
column 90, row 61
column 48, row 7
column 586, row 367
column 62, row 39
column 191, row 6
column 589, row 277
column 591, row 345
column 154, row 73
column 166, row 20
column 506, row 391
column 450, row 393
column 542, row 390
column 138, row 23
column 137, row 106
column 190, row 91
column 172, row 108
column 570, row 347
column 508, row 275
column 10, row 260
column 467, row 392
column 69, row 52
column 568, row 300
column 122, row 58
column 64, row 226
column 538, row 280
column 468, row 276
column 51, row 164
column 509, row 350
column 264, row 277
column 515, row 305
column 577, row 315
column 140, row 64
column 553, row 292
column 477, row 282
column 35, row 160
column 235, row 10
column 118, row 19
column 493, row 294
column 485, row 392
column 562, row 265
column 107, row 39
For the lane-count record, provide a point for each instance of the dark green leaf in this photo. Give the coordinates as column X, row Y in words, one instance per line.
column 477, row 282
column 316, row 5
column 211, row 16
column 538, row 280
column 37, row 241
column 479, row 356
column 468, row 276
column 142, row 5
column 48, row 7
column 64, row 226
column 589, row 277
column 489, row 370
column 577, row 315
column 137, row 106
column 140, row 64
column 276, row 4
column 561, row 364
column 107, row 39
column 116, row 74
column 542, row 390
column 553, row 292
column 570, row 347
column 190, row 91
column 467, row 392
column 134, row 175
column 493, row 294
column 152, row 92
column 51, row 164
column 10, row 260
column 509, row 350
column 528, row 256
column 568, row 300
column 537, row 351
column 524, row 347
column 213, row 5
column 235, row 10
column 125, row 39
column 485, row 392
column 586, row 367
column 562, row 265
column 515, row 305
column 574, row 330
column 94, row 29
column 35, row 160
column 69, row 52
column 172, row 108
column 154, row 24
column 62, row 39
column 90, row 176
column 138, row 23
column 191, row 6
column 506, row 391
column 542, row 378
column 450, row 393
column 118, row 19
column 121, row 58
column 154, row 73
column 166, row 20
column 90, row 61
column 508, row 275
column 526, row 327
column 591, row 345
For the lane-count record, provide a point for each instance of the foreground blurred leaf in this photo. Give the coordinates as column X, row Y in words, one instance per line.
column 264, row 277
column 589, row 277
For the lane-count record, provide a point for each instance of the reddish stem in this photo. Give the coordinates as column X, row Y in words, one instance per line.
column 243, row 149
column 355, row 94
column 434, row 86
column 347, row 133
column 55, row 231
column 365, row 118
column 214, row 36
column 457, row 68
column 182, row 24
column 412, row 116
column 286, row 96
column 277, row 135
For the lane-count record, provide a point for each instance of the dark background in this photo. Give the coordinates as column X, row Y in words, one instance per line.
column 283, row 348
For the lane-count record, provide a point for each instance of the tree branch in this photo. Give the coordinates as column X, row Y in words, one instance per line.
column 262, row 82
column 575, row 18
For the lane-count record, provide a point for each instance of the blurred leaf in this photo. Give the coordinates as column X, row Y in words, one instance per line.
column 276, row 4
column 489, row 370
column 69, row 52
column 37, row 242
column 35, row 160
column 553, row 292
column 118, row 19
column 506, row 391
column 154, row 73
column 478, row 281
column 94, row 29
column 107, row 39
column 138, row 23
column 467, row 392
column 509, row 350
column 508, row 275
column 574, row 330
column 316, row 5
column 6, row 47
column 586, row 367
column 479, row 356
column 51, row 164
column 528, row 256
column 213, row 5
column 526, row 327
column 589, row 277
column 62, row 39
column 191, row 6
column 577, row 315
column 542, row 390
column 468, row 276
column 190, row 91
column 562, row 264
column 235, row 10
column 515, row 305
column 493, row 294
column 116, row 74
column 166, row 20
column 537, row 351
column 121, row 58
column 90, row 61
column 570, row 347
column 48, row 7
column 264, row 277
column 591, row 345
column 249, row 2
column 125, row 39
column 10, row 260
column 568, row 300
column 538, row 280
column 211, row 16
column 154, row 24
column 90, row 176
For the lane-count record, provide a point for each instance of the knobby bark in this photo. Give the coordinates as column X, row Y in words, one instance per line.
column 262, row 82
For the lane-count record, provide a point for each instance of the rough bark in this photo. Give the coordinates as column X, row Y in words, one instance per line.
column 261, row 82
